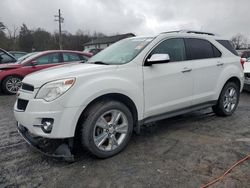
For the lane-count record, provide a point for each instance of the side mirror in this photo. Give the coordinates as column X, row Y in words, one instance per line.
column 157, row 59
column 33, row 63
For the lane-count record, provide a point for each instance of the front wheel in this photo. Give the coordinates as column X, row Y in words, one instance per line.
column 107, row 128
column 228, row 100
column 11, row 85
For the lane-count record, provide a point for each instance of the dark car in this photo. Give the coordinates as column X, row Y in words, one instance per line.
column 17, row 54
column 11, row 75
column 245, row 54
column 6, row 57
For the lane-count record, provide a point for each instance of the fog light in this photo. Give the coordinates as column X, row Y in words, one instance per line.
column 47, row 125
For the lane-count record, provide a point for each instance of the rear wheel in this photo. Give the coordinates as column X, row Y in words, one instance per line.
column 228, row 100
column 11, row 84
column 107, row 128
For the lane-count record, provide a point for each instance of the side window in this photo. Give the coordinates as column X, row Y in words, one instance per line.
column 228, row 45
column 217, row 53
column 48, row 59
column 67, row 57
column 175, row 48
column 199, row 49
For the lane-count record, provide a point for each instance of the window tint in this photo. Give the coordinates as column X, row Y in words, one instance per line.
column 67, row 57
column 217, row 53
column 4, row 58
column 227, row 44
column 199, row 49
column 48, row 59
column 245, row 54
column 175, row 48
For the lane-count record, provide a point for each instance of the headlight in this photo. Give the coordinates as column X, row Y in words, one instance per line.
column 52, row 90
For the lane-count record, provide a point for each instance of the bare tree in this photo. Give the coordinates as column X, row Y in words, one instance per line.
column 13, row 36
column 239, row 41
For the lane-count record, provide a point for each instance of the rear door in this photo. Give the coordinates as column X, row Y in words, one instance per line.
column 207, row 67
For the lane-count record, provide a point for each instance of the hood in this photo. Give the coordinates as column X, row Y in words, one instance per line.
column 65, row 71
column 9, row 66
column 247, row 67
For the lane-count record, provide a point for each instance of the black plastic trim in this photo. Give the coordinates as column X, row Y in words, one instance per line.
column 177, row 112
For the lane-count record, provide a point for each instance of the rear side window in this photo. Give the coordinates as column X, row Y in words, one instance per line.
column 68, row 57
column 200, row 49
column 175, row 48
column 227, row 44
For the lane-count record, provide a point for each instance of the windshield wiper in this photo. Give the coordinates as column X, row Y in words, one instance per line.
column 99, row 63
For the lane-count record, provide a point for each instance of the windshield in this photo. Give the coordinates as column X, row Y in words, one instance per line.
column 28, row 57
column 121, row 52
column 20, row 59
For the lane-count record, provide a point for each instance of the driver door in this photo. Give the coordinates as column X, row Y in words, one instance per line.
column 168, row 86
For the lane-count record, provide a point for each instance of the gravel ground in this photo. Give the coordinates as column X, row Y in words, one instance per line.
column 186, row 151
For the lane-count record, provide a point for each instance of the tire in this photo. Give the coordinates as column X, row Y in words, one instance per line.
column 11, row 84
column 228, row 100
column 107, row 128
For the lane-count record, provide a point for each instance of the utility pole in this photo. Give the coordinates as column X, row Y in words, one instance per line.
column 60, row 20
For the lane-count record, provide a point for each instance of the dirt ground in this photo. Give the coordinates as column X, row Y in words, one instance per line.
column 186, row 151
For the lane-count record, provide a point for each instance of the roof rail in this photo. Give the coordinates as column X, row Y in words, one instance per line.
column 191, row 31
column 197, row 32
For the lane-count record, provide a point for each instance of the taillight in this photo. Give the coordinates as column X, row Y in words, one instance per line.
column 242, row 61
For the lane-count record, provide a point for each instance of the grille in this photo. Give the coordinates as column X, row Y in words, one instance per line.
column 27, row 87
column 247, row 75
column 22, row 104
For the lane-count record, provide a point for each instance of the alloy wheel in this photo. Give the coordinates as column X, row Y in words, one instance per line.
column 110, row 130
column 230, row 99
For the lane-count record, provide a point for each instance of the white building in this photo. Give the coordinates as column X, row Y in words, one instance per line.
column 103, row 42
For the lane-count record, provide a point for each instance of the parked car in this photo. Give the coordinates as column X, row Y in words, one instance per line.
column 6, row 57
column 133, row 82
column 17, row 54
column 247, row 75
column 11, row 75
column 245, row 54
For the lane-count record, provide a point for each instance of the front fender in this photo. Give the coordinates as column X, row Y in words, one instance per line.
column 86, row 91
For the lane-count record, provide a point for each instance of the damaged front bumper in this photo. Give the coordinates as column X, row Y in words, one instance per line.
column 58, row 148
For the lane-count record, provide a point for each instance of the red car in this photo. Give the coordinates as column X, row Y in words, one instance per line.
column 12, row 74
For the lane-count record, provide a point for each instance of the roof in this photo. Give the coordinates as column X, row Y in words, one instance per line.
column 109, row 39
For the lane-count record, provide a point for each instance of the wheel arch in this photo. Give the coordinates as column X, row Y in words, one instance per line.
column 110, row 96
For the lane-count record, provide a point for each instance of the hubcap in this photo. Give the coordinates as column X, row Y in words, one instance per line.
column 13, row 84
column 110, row 130
column 230, row 99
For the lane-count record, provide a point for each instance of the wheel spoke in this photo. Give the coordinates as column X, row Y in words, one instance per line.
column 123, row 128
column 231, row 92
column 102, row 123
column 116, row 115
column 113, row 142
column 100, row 139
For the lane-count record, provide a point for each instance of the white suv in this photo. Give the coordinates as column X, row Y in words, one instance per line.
column 133, row 82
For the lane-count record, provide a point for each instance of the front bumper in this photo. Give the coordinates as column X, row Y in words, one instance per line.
column 59, row 148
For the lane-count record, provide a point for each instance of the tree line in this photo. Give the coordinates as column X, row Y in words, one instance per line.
column 24, row 39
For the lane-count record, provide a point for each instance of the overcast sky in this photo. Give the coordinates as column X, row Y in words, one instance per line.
column 142, row 17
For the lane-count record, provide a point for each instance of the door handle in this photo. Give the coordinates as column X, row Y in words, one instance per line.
column 220, row 64
column 186, row 69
